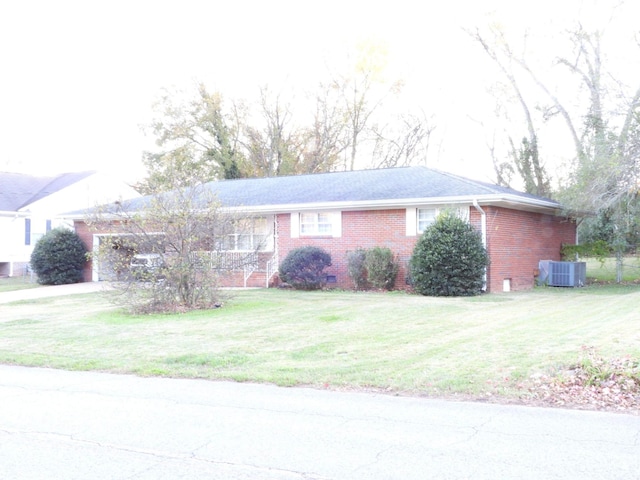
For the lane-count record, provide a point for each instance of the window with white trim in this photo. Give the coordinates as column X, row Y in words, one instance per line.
column 250, row 234
column 427, row 216
column 316, row 223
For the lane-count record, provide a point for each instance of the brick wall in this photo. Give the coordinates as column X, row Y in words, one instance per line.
column 365, row 229
column 517, row 241
column 86, row 235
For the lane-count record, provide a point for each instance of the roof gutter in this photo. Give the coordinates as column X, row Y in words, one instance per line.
column 512, row 201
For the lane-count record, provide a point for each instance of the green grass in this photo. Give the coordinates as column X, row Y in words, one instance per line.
column 605, row 272
column 491, row 344
column 10, row 284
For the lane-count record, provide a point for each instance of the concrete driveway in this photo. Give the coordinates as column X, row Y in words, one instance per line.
column 83, row 425
column 52, row 291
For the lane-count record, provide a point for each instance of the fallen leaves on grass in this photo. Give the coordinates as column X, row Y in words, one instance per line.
column 594, row 383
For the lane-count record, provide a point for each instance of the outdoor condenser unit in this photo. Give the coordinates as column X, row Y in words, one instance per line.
column 562, row 274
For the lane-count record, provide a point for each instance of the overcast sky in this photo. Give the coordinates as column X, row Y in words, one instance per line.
column 78, row 78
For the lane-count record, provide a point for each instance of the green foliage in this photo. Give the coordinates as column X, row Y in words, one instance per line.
column 598, row 249
column 59, row 257
column 594, row 370
column 197, row 140
column 618, row 226
column 303, row 268
column 530, row 168
column 356, row 268
column 382, row 267
column 375, row 267
column 449, row 259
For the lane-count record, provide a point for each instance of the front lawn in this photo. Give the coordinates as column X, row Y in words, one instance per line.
column 486, row 346
column 9, row 284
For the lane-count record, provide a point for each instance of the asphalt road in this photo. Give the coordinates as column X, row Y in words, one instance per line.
column 84, row 425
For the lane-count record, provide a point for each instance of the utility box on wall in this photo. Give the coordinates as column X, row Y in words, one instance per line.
column 562, row 274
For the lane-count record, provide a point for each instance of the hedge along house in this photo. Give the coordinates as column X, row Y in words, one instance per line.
column 342, row 211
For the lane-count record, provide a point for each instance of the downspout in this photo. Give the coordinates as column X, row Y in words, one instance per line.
column 483, row 222
column 483, row 232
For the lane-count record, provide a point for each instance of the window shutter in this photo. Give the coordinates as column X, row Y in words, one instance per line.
column 27, row 231
column 48, row 226
column 295, row 225
column 336, row 224
column 412, row 222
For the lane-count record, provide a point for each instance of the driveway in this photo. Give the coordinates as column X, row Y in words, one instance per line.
column 86, row 425
column 52, row 291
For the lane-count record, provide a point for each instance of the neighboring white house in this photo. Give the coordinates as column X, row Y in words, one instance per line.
column 29, row 206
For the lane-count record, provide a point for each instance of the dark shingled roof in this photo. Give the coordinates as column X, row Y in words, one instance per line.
column 17, row 190
column 353, row 186
column 405, row 183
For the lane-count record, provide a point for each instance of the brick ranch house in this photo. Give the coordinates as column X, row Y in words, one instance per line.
column 342, row 211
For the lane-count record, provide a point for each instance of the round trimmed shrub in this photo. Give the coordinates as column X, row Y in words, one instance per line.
column 59, row 257
column 303, row 268
column 449, row 259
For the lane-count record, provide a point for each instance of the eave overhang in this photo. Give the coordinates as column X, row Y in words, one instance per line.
column 514, row 202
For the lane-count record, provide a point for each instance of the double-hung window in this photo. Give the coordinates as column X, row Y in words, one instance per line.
column 426, row 216
column 419, row 219
column 316, row 224
column 327, row 223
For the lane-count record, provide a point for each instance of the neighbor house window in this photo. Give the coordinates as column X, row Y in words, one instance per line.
column 250, row 234
column 48, row 226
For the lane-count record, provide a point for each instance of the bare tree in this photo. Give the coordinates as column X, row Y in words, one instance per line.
column 361, row 91
column 525, row 158
column 605, row 171
column 326, row 140
column 403, row 142
column 276, row 146
column 180, row 239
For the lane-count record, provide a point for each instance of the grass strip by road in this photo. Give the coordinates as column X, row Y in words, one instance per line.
column 480, row 346
column 10, row 284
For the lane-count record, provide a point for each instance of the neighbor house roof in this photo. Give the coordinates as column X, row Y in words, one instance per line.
column 362, row 189
column 18, row 190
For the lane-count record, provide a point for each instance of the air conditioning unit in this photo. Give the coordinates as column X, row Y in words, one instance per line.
column 562, row 274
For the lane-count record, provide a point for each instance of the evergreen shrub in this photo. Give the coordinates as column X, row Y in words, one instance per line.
column 449, row 259
column 303, row 268
column 59, row 257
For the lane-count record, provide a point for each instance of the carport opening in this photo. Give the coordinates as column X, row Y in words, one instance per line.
column 115, row 253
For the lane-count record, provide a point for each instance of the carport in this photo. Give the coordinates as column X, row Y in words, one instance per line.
column 112, row 253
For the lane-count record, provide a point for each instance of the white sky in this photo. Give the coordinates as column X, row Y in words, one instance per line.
column 78, row 78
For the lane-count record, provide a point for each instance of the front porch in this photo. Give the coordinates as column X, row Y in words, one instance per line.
column 242, row 269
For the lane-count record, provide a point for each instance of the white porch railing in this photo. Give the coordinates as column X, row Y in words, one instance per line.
column 272, row 268
column 228, row 261
column 231, row 261
column 248, row 262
